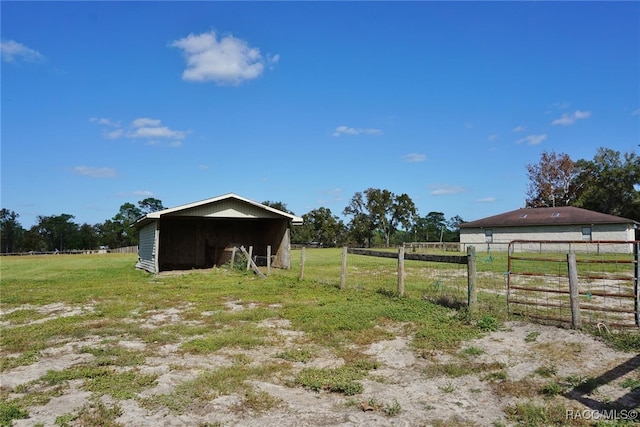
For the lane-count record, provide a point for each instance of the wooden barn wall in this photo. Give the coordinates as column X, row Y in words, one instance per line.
column 187, row 243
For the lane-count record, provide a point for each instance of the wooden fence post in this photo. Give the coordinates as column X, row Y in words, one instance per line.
column 472, row 294
column 249, row 257
column 343, row 272
column 636, row 278
column 574, row 291
column 401, row 271
column 303, row 257
column 233, row 256
column 268, row 259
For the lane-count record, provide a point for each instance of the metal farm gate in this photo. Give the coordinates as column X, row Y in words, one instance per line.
column 575, row 282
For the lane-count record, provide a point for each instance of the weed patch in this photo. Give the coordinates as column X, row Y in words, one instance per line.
column 303, row 355
column 9, row 411
column 245, row 337
column 338, row 380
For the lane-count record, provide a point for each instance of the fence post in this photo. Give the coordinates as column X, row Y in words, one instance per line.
column 249, row 257
column 401, row 271
column 574, row 291
column 472, row 294
column 343, row 272
column 233, row 256
column 303, row 257
column 268, row 259
column 636, row 277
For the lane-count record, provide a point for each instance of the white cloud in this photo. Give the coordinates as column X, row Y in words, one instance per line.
column 114, row 134
column 143, row 128
column 493, row 137
column 104, row 121
column 155, row 132
column 570, row 118
column 533, row 139
column 12, row 51
column 346, row 130
column 519, row 129
column 486, row 200
column 414, row 158
column 95, row 172
column 143, row 122
column 228, row 60
column 636, row 112
column 444, row 189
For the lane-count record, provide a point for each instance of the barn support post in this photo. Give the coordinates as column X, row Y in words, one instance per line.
column 472, row 293
column 574, row 291
column 233, row 256
column 268, row 259
column 343, row 271
column 401, row 273
column 303, row 258
column 249, row 257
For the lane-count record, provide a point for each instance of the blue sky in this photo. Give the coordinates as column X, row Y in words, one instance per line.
column 306, row 103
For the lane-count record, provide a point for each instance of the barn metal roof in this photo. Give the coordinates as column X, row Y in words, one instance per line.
column 565, row 215
column 192, row 208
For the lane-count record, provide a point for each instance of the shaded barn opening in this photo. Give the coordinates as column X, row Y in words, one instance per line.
column 197, row 242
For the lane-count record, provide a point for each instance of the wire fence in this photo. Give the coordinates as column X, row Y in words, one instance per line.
column 432, row 275
column 531, row 279
column 567, row 282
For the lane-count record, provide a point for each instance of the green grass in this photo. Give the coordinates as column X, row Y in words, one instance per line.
column 338, row 380
column 109, row 301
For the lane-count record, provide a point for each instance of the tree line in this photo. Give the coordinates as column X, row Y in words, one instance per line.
column 375, row 217
column 609, row 183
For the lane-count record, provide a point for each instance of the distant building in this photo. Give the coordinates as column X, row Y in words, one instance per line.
column 200, row 234
column 548, row 224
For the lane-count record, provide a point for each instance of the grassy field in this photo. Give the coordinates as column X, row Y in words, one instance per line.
column 93, row 302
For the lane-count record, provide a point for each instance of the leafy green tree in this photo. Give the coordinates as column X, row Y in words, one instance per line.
column 33, row 241
column 552, row 181
column 379, row 210
column 321, row 226
column 362, row 225
column 110, row 233
column 117, row 231
column 11, row 232
column 436, row 225
column 609, row 183
column 149, row 205
column 86, row 237
column 453, row 229
column 57, row 231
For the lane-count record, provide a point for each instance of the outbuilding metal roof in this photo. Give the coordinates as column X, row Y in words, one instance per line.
column 268, row 211
column 565, row 215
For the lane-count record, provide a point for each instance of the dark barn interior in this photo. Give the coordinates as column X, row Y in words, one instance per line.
column 197, row 242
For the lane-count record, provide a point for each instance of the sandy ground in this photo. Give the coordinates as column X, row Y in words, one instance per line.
column 400, row 382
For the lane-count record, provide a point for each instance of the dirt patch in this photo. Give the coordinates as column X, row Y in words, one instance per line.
column 470, row 386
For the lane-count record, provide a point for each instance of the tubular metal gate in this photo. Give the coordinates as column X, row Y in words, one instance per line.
column 538, row 284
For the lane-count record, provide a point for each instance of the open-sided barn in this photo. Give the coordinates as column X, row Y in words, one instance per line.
column 199, row 234
column 565, row 223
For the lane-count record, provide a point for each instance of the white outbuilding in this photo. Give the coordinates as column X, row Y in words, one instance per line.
column 565, row 223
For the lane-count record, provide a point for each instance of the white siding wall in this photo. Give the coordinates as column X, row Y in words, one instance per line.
column 147, row 249
column 503, row 235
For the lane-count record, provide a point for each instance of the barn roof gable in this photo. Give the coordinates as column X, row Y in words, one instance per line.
column 226, row 206
column 564, row 215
